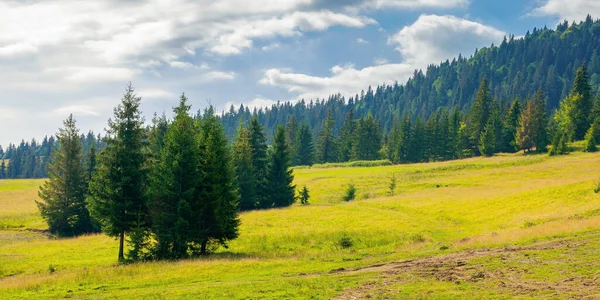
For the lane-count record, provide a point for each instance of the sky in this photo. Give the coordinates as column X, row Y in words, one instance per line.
column 59, row 57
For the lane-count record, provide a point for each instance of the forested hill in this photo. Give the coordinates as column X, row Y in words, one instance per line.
column 518, row 67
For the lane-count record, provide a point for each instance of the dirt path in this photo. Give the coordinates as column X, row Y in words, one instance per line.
column 457, row 268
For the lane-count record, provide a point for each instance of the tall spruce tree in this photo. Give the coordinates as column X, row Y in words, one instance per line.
column 242, row 157
column 280, row 177
column 117, row 191
column 347, row 136
column 216, row 220
column 480, row 113
column 327, row 144
column 509, row 127
column 582, row 106
column 367, row 142
column 173, row 186
column 258, row 146
column 532, row 131
column 63, row 203
column 304, row 150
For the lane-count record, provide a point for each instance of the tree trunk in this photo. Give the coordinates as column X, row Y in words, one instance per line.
column 121, row 240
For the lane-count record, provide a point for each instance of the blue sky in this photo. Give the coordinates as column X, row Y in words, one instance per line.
column 59, row 57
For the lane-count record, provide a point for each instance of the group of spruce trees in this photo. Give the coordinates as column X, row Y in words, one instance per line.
column 170, row 190
column 263, row 173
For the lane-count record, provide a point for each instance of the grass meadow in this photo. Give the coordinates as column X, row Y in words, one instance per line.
column 501, row 227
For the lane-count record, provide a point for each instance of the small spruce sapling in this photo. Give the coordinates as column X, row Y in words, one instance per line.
column 392, row 185
column 304, row 196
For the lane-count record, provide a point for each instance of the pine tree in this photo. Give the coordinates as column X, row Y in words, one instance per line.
column 258, row 146
column 367, row 142
column 532, row 130
column 327, row 150
column 173, row 186
column 347, row 137
column 216, row 220
column 63, row 203
column 280, row 177
column 117, row 192
column 487, row 140
column 304, row 150
column 590, row 139
column 480, row 113
column 582, row 106
column 242, row 157
column 304, row 196
column 509, row 127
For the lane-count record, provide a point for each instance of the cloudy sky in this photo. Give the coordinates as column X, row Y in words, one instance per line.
column 60, row 56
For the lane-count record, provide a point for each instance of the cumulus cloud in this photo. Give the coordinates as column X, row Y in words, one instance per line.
column 433, row 38
column 81, row 110
column 430, row 39
column 415, row 3
column 346, row 80
column 568, row 9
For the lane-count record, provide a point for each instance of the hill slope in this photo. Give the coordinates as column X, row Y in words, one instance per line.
column 428, row 238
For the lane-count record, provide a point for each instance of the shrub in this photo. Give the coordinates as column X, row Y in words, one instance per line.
column 350, row 193
column 51, row 268
column 304, row 196
column 345, row 242
column 597, row 188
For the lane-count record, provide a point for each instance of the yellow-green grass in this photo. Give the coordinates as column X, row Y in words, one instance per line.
column 438, row 208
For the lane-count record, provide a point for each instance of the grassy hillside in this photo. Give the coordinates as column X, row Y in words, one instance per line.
column 511, row 225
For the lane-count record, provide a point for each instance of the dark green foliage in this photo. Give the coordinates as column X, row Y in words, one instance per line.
column 559, row 144
column 173, row 188
column 479, row 114
column 582, row 107
column 63, row 203
column 117, row 191
column 303, row 152
column 258, row 147
column 216, row 211
column 242, row 158
column 487, row 140
column 280, row 176
column 347, row 136
column 367, row 139
column 304, row 196
column 509, row 127
column 327, row 144
column 350, row 193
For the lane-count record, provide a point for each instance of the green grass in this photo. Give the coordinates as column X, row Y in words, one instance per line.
column 437, row 209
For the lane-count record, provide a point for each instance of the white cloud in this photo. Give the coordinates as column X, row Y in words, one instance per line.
column 217, row 75
column 380, row 61
column 571, row 10
column 96, row 74
column 239, row 36
column 77, row 110
column 155, row 93
column 413, row 4
column 270, row 47
column 433, row 38
column 430, row 39
column 361, row 41
column 17, row 49
column 345, row 80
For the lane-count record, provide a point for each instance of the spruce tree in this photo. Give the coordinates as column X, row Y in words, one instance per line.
column 242, row 157
column 304, row 150
column 582, row 106
column 487, row 140
column 3, row 169
column 63, row 203
column 347, row 137
column 509, row 127
column 280, row 177
column 173, row 187
column 304, row 196
column 480, row 113
column 216, row 213
column 327, row 150
column 532, row 131
column 291, row 129
column 117, row 191
column 258, row 146
column 590, row 139
column 367, row 139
